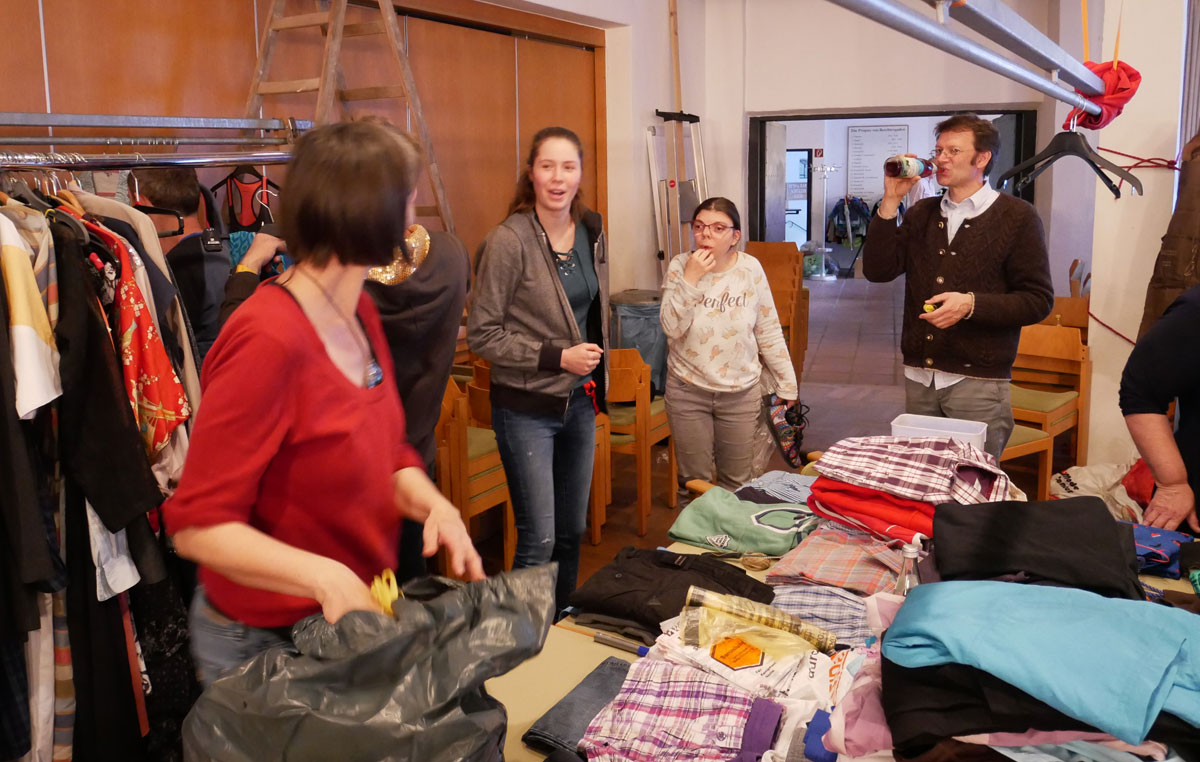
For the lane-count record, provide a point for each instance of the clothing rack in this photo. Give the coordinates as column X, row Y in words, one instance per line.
column 254, row 132
column 73, row 161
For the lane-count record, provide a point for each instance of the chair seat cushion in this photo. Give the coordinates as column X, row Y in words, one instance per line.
column 480, row 442
column 616, row 440
column 1024, row 435
column 1039, row 400
column 625, row 413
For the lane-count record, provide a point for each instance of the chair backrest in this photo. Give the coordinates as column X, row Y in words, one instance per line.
column 481, row 373
column 479, row 404
column 784, row 266
column 623, row 384
column 1072, row 312
column 1052, row 357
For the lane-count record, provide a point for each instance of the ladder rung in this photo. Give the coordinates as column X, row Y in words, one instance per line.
column 289, row 86
column 360, row 30
column 372, row 93
column 300, row 21
column 427, row 211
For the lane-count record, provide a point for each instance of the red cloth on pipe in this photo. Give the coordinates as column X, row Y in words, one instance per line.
column 1119, row 87
column 871, row 510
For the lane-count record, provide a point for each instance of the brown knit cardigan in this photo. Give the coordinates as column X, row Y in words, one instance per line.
column 999, row 255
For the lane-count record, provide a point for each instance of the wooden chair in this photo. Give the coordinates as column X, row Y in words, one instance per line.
column 601, row 492
column 479, row 405
column 784, row 265
column 469, row 471
column 1052, row 380
column 638, row 426
column 1026, row 440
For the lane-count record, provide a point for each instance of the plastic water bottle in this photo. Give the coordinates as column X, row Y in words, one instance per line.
column 908, row 166
column 910, row 575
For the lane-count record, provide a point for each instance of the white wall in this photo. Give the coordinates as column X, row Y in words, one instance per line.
column 1128, row 231
column 638, row 80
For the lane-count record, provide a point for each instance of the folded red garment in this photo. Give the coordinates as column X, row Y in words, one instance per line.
column 1120, row 84
column 871, row 510
column 849, row 494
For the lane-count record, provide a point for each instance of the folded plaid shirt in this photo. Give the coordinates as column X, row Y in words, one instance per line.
column 668, row 712
column 830, row 608
column 929, row 469
column 840, row 558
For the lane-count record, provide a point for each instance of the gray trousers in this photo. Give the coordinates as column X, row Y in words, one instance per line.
column 710, row 427
column 972, row 399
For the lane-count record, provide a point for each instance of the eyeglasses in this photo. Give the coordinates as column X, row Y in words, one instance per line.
column 716, row 228
column 951, row 152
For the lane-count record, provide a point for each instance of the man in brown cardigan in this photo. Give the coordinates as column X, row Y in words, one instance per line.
column 976, row 270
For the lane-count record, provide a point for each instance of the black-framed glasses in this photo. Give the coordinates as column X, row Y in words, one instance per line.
column 716, row 228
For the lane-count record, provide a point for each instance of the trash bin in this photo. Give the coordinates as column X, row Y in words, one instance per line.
column 635, row 326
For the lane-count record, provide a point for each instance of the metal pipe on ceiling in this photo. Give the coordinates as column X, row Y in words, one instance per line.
column 927, row 30
column 1004, row 26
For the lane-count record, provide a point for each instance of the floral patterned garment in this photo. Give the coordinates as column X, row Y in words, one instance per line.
column 155, row 392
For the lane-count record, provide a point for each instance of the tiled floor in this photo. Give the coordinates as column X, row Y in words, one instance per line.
column 853, row 378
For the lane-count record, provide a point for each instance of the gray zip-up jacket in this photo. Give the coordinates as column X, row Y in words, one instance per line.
column 520, row 320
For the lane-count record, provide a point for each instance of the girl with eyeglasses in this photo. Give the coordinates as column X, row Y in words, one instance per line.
column 722, row 328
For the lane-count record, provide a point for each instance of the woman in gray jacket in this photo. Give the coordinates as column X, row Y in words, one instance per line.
column 539, row 315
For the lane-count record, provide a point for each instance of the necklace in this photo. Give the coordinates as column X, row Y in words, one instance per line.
column 372, row 374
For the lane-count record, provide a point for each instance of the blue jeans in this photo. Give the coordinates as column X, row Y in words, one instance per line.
column 219, row 643
column 548, row 463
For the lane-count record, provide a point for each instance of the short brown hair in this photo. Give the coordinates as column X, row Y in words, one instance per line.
column 523, row 198
column 987, row 137
column 722, row 205
column 174, row 188
column 347, row 192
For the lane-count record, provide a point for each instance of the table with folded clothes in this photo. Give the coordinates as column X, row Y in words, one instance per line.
column 1032, row 637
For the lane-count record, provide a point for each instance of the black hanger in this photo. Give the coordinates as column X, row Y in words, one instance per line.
column 240, row 172
column 77, row 229
column 1070, row 143
column 157, row 210
column 21, row 191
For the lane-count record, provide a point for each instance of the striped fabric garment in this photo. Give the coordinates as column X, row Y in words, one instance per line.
column 64, row 683
column 669, row 712
column 760, row 613
column 785, row 485
column 833, row 609
column 839, row 557
column 929, row 469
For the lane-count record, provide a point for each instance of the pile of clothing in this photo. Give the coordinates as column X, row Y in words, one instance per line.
column 888, row 486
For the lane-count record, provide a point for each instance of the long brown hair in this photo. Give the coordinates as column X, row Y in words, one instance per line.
column 524, row 197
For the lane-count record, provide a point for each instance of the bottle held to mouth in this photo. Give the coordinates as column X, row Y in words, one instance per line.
column 908, row 166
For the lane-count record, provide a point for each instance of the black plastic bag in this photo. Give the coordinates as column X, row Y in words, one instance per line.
column 375, row 688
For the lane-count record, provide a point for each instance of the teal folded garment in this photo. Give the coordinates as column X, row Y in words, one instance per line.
column 1114, row 664
column 717, row 519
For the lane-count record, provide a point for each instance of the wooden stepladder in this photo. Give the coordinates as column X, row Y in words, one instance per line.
column 330, row 85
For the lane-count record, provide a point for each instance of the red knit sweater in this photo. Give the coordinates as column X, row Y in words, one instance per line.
column 286, row 443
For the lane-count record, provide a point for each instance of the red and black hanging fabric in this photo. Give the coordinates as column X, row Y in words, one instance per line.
column 245, row 189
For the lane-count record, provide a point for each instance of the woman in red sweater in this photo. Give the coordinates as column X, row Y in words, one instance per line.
column 299, row 471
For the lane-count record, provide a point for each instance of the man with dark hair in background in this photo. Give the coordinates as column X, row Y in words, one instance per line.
column 199, row 260
column 975, row 271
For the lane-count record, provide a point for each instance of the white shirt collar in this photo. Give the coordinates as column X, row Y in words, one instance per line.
column 976, row 201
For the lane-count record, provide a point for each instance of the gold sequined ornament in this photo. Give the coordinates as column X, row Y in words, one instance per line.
column 417, row 238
